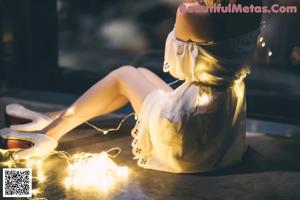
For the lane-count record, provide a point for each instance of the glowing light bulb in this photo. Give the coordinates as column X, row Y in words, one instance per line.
column 94, row 171
column 105, row 132
column 122, row 172
column 35, row 192
column 263, row 44
column 270, row 53
column 261, row 39
column 30, row 163
column 41, row 178
column 68, row 182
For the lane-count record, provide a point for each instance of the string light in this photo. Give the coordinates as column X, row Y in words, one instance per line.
column 261, row 39
column 263, row 24
column 270, row 53
column 85, row 170
column 263, row 44
column 106, row 131
column 172, row 83
column 41, row 178
column 35, row 192
column 98, row 171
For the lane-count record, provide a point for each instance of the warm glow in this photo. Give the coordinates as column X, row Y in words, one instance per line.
column 94, row 171
column 85, row 171
column 263, row 44
column 203, row 99
column 8, row 163
column 35, row 192
column 261, row 39
column 41, row 178
column 3, row 152
column 270, row 53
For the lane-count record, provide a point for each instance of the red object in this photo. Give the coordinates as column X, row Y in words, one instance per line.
column 18, row 144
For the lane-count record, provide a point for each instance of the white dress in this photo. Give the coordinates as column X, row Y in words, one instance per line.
column 200, row 126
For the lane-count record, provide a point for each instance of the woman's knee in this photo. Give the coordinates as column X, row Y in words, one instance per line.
column 124, row 75
column 143, row 69
column 124, row 71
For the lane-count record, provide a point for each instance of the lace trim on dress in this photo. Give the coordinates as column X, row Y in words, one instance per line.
column 137, row 149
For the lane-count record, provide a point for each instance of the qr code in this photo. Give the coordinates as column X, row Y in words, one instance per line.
column 17, row 182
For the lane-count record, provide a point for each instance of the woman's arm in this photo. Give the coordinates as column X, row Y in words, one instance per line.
column 205, row 27
column 192, row 26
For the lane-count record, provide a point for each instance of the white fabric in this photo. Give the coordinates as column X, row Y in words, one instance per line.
column 211, row 63
column 200, row 126
column 39, row 120
column 43, row 145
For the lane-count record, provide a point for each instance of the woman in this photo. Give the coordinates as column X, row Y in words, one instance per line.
column 199, row 126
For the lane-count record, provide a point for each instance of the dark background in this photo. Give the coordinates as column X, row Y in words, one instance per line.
column 55, row 50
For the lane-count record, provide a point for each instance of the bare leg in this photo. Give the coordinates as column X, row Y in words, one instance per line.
column 126, row 84
column 156, row 80
column 153, row 78
column 55, row 114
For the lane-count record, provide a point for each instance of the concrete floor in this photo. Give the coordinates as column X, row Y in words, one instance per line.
column 270, row 169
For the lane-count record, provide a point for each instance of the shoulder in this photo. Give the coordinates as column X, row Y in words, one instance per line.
column 205, row 27
column 187, row 23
